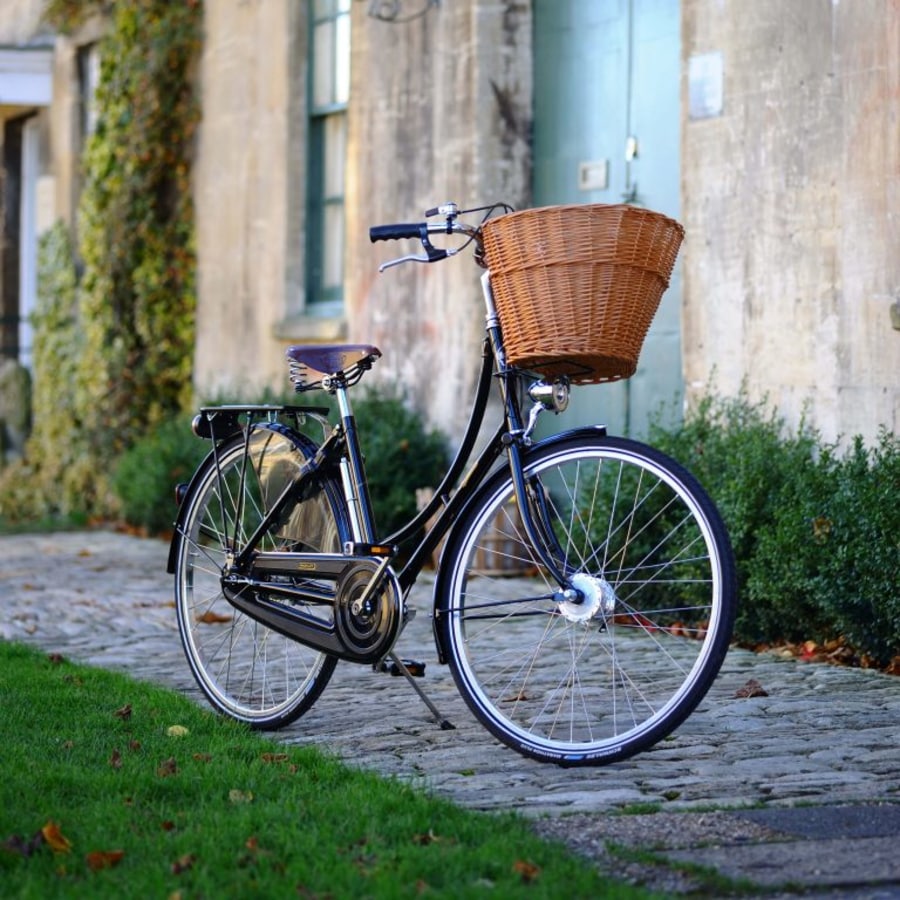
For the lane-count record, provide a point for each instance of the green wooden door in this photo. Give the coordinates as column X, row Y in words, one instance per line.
column 607, row 118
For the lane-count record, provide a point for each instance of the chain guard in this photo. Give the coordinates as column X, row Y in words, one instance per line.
column 363, row 628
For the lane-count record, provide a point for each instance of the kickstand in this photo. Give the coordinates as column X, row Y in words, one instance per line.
column 445, row 724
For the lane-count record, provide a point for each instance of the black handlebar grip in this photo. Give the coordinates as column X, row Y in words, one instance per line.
column 394, row 232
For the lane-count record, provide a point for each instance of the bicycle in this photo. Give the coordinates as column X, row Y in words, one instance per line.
column 586, row 590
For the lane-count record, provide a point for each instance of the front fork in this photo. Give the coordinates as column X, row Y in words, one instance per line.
column 534, row 510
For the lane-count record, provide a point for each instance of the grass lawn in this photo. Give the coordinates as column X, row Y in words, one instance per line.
column 117, row 788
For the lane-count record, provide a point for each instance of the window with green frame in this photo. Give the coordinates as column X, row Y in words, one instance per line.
column 329, row 92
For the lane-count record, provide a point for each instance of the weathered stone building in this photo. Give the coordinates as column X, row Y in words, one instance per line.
column 769, row 128
column 791, row 200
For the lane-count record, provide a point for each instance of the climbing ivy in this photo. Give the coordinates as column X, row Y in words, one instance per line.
column 131, row 364
column 55, row 476
column 136, row 224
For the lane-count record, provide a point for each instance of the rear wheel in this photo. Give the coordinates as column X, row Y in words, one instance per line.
column 246, row 670
column 607, row 670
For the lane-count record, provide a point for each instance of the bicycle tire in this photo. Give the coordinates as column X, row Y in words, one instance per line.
column 592, row 680
column 246, row 670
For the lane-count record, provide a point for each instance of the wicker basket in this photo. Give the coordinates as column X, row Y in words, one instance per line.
column 576, row 287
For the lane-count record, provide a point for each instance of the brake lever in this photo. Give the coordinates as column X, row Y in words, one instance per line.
column 433, row 256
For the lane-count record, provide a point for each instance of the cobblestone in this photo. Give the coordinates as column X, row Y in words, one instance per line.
column 823, row 735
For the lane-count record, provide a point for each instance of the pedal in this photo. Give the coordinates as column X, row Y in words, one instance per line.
column 392, row 667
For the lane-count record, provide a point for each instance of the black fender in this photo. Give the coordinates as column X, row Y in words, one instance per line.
column 488, row 486
column 304, row 445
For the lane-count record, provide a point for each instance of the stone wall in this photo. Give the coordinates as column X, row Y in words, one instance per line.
column 248, row 191
column 441, row 110
column 790, row 200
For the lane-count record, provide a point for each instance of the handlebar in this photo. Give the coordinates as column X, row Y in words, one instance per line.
column 395, row 232
column 423, row 231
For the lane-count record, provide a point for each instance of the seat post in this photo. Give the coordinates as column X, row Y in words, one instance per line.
column 353, row 475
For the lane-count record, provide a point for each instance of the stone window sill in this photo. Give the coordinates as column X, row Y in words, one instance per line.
column 311, row 328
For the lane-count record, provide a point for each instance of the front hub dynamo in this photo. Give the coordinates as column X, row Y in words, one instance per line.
column 368, row 623
column 597, row 598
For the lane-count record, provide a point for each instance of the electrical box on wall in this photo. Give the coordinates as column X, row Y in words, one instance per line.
column 594, row 175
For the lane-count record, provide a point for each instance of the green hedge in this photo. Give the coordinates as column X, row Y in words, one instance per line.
column 816, row 530
column 401, row 456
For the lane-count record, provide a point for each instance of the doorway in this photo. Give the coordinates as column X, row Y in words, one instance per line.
column 607, row 130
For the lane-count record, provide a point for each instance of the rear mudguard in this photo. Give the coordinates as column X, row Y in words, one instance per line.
column 306, row 446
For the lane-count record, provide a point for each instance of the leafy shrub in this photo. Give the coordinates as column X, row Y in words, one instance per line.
column 146, row 474
column 816, row 535
column 859, row 584
column 401, row 456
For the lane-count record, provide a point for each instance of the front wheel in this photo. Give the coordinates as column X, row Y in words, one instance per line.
column 594, row 674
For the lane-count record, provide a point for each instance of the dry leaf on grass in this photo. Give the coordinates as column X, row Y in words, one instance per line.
column 103, row 859
column 55, row 839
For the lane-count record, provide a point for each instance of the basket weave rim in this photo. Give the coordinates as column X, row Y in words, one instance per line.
column 626, row 208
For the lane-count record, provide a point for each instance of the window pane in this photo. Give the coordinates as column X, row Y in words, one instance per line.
column 335, row 155
column 342, row 59
column 333, row 247
column 323, row 57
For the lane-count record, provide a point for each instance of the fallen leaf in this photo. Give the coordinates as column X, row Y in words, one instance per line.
column 528, row 871
column 177, row 731
column 274, row 757
column 211, row 618
column 424, row 839
column 203, row 757
column 56, row 658
column 103, row 859
column 57, row 841
column 183, row 863
column 809, row 650
column 115, row 759
column 236, row 796
column 134, row 746
column 521, row 697
column 168, row 825
column 124, row 712
column 167, row 768
column 751, row 689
